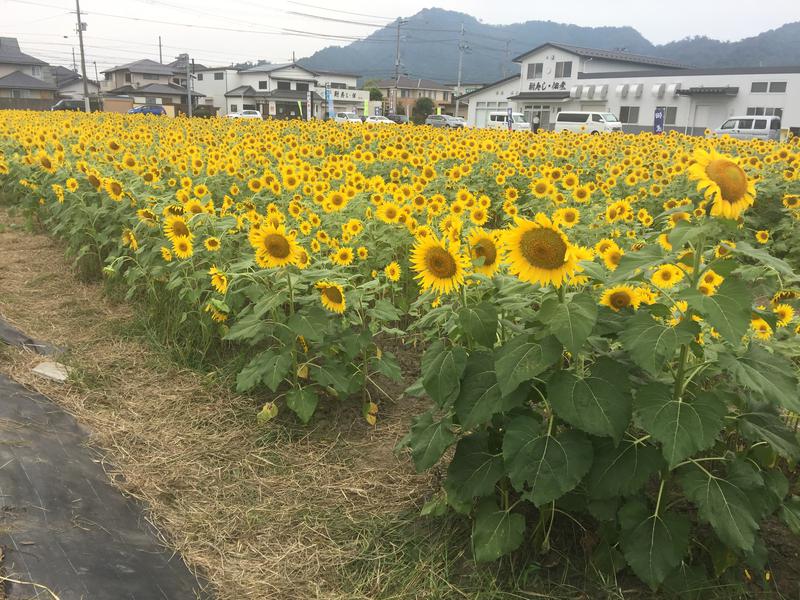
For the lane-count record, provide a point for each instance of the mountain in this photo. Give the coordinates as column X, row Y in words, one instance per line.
column 429, row 47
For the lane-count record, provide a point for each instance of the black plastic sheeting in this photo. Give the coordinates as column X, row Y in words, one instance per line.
column 63, row 525
column 13, row 336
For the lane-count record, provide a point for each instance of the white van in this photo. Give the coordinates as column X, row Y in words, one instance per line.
column 499, row 120
column 587, row 122
column 751, row 127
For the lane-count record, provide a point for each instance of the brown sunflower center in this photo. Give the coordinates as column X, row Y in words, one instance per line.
column 276, row 245
column 486, row 249
column 333, row 294
column 620, row 299
column 543, row 248
column 730, row 178
column 440, row 263
column 116, row 188
column 180, row 229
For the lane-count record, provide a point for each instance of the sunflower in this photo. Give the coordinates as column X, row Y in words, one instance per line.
column 392, row 271
column 212, row 244
column 438, row 267
column 612, row 256
column 362, row 253
column 166, row 254
column 129, row 239
column 711, row 278
column 567, row 217
column 762, row 236
column 538, row 252
column 621, row 296
column 666, row 276
column 343, row 256
column 175, row 226
column 114, row 189
column 761, row 328
column 218, row 279
column 484, row 245
column 72, row 184
column 785, row 314
column 182, row 247
column 722, row 179
column 273, row 247
column 332, row 296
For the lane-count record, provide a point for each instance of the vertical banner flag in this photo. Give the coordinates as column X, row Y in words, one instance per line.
column 329, row 99
column 658, row 119
column 300, row 108
column 366, row 107
column 510, row 116
column 438, row 110
column 308, row 105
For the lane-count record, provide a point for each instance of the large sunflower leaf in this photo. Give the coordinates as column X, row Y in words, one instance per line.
column 769, row 375
column 728, row 310
column 480, row 323
column 723, row 504
column 764, row 257
column 599, row 404
column 495, row 532
column 790, row 513
column 682, row 427
column 441, row 372
column 767, row 427
column 544, row 467
column 522, row 359
column 651, row 344
column 653, row 544
column 570, row 321
column 428, row 439
column 621, row 470
column 474, row 470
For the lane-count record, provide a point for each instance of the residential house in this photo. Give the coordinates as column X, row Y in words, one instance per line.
column 556, row 77
column 149, row 82
column 283, row 91
column 409, row 89
column 70, row 84
column 25, row 81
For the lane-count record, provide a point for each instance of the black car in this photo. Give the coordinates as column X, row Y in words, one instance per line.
column 399, row 119
column 78, row 105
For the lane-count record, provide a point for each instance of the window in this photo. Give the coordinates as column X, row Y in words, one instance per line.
column 758, row 87
column 209, row 101
column 671, row 115
column 338, row 86
column 535, row 70
column 564, row 69
column 760, row 124
column 167, row 100
column 199, row 77
column 108, row 76
column 127, row 77
column 745, row 124
column 150, row 100
column 284, row 85
column 262, row 85
column 758, row 111
column 36, row 71
column 777, row 87
column 596, row 118
column 729, row 124
column 150, row 76
column 249, row 107
column 301, row 87
column 775, row 124
column 219, row 76
column 629, row 114
column 234, row 108
column 571, row 117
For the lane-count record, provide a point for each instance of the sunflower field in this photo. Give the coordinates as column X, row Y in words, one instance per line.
column 605, row 326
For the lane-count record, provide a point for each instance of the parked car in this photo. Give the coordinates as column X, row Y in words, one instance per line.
column 499, row 120
column 751, row 127
column 346, row 117
column 444, row 121
column 587, row 122
column 399, row 119
column 80, row 105
column 379, row 119
column 148, row 109
column 245, row 114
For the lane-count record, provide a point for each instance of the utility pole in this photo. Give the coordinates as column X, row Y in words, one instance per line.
column 394, row 104
column 160, row 56
column 74, row 64
column 461, row 47
column 188, row 85
column 508, row 59
column 96, row 75
column 81, row 25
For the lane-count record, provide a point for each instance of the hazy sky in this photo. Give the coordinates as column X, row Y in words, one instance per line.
column 225, row 31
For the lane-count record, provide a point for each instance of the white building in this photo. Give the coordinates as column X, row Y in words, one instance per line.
column 279, row 90
column 556, row 77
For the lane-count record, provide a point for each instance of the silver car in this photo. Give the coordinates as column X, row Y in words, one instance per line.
column 444, row 121
column 761, row 127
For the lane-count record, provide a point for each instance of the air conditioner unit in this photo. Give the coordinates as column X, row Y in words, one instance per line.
column 602, row 91
column 588, row 92
column 658, row 90
column 672, row 89
column 576, row 91
column 622, row 90
column 636, row 90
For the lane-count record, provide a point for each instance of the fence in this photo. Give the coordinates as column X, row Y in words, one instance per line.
column 25, row 104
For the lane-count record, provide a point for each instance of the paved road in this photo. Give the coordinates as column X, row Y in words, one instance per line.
column 62, row 524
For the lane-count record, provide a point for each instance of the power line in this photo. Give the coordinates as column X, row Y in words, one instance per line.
column 344, row 12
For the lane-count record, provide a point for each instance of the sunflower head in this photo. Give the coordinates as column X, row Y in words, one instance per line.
column 538, row 252
column 620, row 297
column 484, row 247
column 722, row 179
column 273, row 246
column 332, row 296
column 438, row 266
column 666, row 276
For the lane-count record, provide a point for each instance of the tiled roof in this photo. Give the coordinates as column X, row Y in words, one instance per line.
column 20, row 80
column 640, row 59
column 11, row 54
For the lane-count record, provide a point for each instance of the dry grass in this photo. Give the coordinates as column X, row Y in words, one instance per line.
column 273, row 511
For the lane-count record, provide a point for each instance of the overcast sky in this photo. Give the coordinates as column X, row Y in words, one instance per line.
column 225, row 31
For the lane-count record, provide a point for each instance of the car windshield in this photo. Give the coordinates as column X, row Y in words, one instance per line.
column 609, row 117
column 518, row 119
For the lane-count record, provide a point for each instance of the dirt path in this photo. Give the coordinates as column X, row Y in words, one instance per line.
column 275, row 511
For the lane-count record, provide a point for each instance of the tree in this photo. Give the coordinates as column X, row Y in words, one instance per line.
column 375, row 94
column 422, row 108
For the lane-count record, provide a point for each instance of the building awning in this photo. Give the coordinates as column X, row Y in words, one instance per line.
column 560, row 95
column 727, row 90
